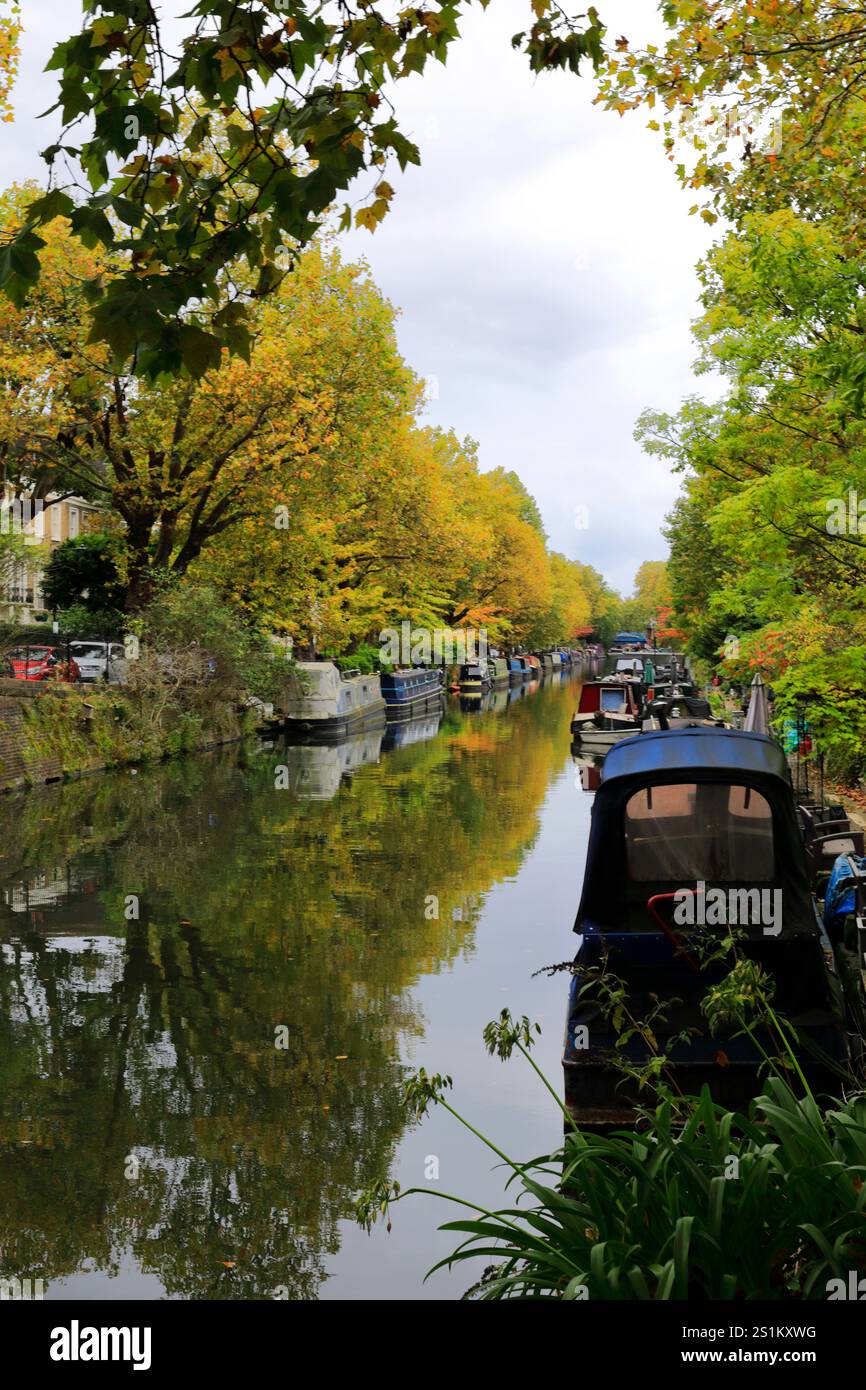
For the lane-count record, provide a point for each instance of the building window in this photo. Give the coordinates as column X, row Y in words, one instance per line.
column 56, row 520
column 74, row 522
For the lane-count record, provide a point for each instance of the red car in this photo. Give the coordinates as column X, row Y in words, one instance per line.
column 42, row 664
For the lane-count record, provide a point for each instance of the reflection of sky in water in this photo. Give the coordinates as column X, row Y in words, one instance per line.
column 303, row 908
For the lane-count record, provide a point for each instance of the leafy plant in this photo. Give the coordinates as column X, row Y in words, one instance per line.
column 83, row 571
column 699, row 1202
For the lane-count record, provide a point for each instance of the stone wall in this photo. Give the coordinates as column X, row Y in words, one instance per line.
column 49, row 732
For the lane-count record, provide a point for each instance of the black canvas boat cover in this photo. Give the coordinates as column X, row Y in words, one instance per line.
column 695, row 758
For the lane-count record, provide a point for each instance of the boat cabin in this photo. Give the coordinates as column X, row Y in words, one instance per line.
column 693, row 835
column 607, row 697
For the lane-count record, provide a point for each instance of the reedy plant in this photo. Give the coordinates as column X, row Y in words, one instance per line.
column 694, row 1202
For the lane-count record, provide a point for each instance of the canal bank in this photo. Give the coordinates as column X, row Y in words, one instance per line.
column 56, row 732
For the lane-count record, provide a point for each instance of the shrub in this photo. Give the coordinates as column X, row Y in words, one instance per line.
column 197, row 643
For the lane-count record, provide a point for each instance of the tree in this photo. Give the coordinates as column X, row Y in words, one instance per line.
column 10, row 33
column 84, row 571
column 779, row 83
column 181, row 462
column 768, row 545
column 233, row 142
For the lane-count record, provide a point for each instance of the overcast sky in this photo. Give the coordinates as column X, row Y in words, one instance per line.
column 543, row 260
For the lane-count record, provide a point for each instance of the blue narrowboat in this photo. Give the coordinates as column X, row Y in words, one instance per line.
column 516, row 670
column 410, row 691
column 682, row 820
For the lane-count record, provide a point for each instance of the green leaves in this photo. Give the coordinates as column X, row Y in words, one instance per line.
column 700, row 1203
column 243, row 134
column 200, row 351
column 19, row 266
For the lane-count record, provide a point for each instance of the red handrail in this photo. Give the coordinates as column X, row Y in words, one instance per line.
column 668, row 930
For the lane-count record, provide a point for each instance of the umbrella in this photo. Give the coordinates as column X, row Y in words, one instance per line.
column 757, row 719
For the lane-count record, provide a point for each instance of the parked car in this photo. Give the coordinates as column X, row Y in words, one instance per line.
column 42, row 663
column 99, row 661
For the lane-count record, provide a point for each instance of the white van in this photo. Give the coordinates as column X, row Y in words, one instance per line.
column 98, row 661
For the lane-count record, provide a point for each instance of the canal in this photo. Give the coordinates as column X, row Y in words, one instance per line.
column 215, row 973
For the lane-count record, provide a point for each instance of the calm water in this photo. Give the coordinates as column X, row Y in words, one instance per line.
column 157, row 931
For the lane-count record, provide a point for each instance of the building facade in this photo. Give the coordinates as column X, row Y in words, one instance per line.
column 43, row 524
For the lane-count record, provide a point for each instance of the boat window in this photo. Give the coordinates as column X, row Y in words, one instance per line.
column 690, row 831
column 612, row 699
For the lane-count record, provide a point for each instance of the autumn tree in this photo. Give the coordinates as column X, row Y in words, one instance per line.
column 176, row 464
column 759, row 104
column 10, row 33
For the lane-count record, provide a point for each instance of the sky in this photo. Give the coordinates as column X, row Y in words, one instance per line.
column 542, row 259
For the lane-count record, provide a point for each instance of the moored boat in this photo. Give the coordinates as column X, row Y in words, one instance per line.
column 551, row 661
column 499, row 674
column 409, row 691
column 517, row 672
column 322, row 702
column 608, row 711
column 681, row 819
column 473, row 678
column 627, row 642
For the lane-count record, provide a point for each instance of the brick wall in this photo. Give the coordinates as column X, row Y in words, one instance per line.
column 20, row 763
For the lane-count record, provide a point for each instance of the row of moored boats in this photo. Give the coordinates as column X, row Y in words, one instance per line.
column 323, row 702
column 646, row 690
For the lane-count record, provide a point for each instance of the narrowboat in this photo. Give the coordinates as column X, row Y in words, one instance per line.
column 664, row 690
column 321, row 702
column 473, row 678
column 411, row 690
column 627, row 642
column 551, row 661
column 608, row 711
column 498, row 671
column 669, row 665
column 629, row 666
column 517, row 672
column 534, row 665
column 680, row 815
column 677, row 710
column 528, row 672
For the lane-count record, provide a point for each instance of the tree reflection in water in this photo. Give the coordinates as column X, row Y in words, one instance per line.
column 145, row 1110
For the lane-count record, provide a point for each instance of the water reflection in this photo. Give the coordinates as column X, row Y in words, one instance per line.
column 207, row 990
